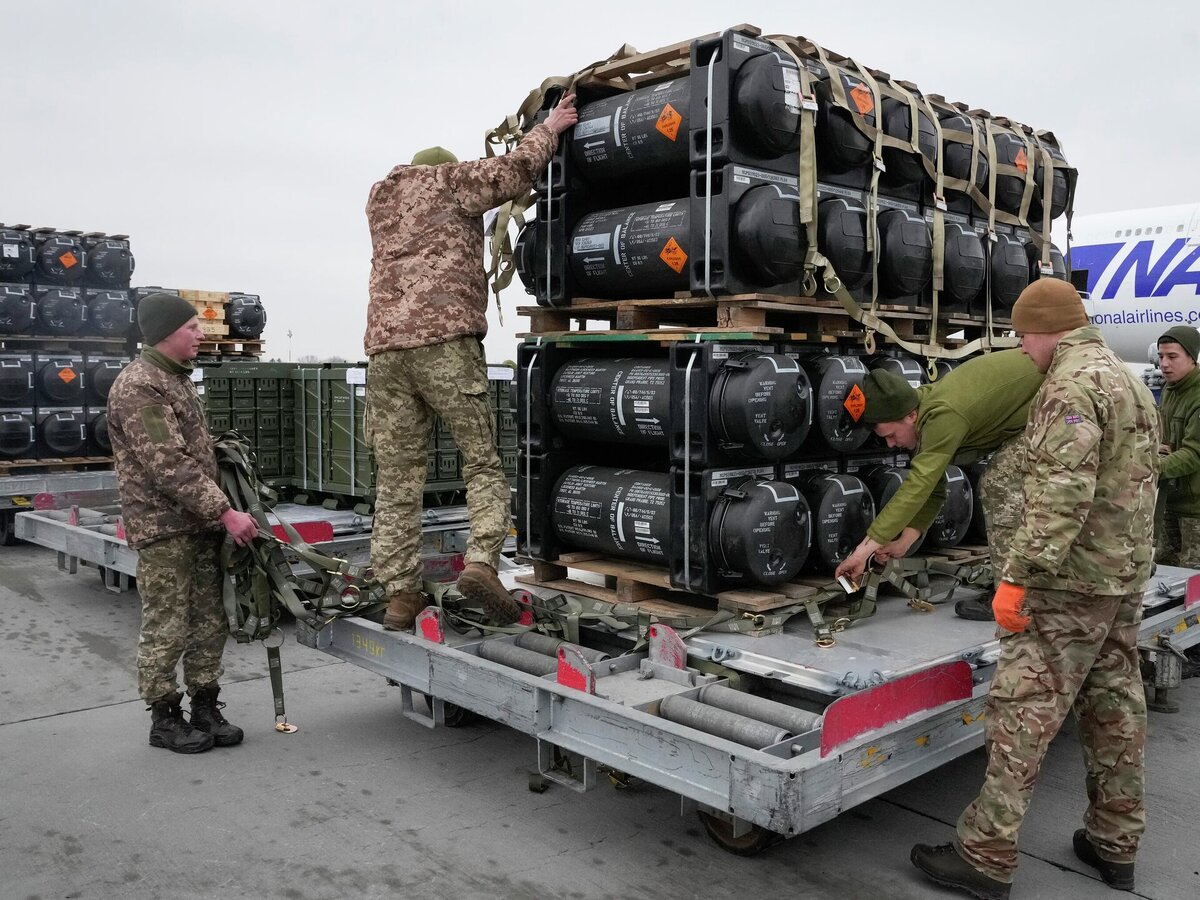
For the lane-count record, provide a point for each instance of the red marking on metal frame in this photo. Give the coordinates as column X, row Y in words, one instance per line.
column 44, row 500
column 574, row 671
column 429, row 625
column 1191, row 595
column 853, row 715
column 120, row 528
column 525, row 602
column 310, row 532
column 73, row 516
column 666, row 647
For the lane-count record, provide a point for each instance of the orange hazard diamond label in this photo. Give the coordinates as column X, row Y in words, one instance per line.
column 668, row 122
column 1022, row 161
column 855, row 403
column 209, row 313
column 68, row 260
column 67, row 375
column 863, row 101
column 673, row 255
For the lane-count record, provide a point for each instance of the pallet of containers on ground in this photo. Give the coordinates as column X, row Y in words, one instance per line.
column 66, row 330
column 232, row 321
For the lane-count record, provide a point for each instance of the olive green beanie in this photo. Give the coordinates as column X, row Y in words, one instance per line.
column 433, row 156
column 1048, row 306
column 159, row 315
column 889, row 397
column 1186, row 337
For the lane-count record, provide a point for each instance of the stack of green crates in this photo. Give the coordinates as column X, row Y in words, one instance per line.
column 255, row 399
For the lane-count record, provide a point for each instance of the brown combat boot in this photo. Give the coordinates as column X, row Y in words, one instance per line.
column 402, row 610
column 479, row 584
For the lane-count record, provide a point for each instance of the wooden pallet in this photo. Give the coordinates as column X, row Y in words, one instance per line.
column 232, row 348
column 650, row 586
column 9, row 467
column 21, row 342
column 641, row 69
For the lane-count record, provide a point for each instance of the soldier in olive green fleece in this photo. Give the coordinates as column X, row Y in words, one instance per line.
column 971, row 411
column 1178, row 528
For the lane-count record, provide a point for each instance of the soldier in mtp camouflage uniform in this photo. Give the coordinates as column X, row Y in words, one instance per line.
column 175, row 515
column 979, row 406
column 1178, row 533
column 1070, row 595
column 425, row 322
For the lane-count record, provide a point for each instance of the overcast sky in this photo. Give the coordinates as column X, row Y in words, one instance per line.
column 236, row 141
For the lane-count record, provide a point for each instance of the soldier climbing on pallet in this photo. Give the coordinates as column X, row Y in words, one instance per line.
column 978, row 407
column 425, row 322
column 176, row 516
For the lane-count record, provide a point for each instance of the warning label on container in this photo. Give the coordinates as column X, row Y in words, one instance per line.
column 668, row 122
column 1022, row 161
column 67, row 375
column 209, row 313
column 863, row 101
column 68, row 260
column 590, row 127
column 855, row 403
column 11, row 251
column 588, row 243
column 673, row 255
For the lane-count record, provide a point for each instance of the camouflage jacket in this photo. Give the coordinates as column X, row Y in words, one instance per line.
column 166, row 467
column 971, row 411
column 1179, row 471
column 427, row 280
column 1090, row 483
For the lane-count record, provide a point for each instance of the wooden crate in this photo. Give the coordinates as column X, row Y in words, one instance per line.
column 213, row 328
column 215, row 298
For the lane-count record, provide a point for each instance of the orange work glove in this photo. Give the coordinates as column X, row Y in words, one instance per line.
column 1007, row 607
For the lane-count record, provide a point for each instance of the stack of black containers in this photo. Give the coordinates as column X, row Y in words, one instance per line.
column 745, row 464
column 66, row 323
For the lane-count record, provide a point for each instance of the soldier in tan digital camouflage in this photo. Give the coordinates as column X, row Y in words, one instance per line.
column 175, row 516
column 425, row 322
column 1070, row 600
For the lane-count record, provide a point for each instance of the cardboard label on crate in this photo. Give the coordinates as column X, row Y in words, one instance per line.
column 197, row 374
column 855, row 403
column 69, row 260
column 668, row 122
column 672, row 254
column 356, row 376
column 860, row 94
column 67, row 375
column 1022, row 161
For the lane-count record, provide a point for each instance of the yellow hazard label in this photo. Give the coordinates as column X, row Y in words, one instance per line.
column 209, row 313
column 863, row 101
column 855, row 403
column 68, row 260
column 67, row 375
column 668, row 123
column 673, row 255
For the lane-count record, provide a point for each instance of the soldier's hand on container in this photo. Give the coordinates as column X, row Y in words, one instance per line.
column 853, row 565
column 564, row 115
column 1009, row 607
column 242, row 527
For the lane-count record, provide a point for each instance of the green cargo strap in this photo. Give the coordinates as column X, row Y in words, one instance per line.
column 259, row 582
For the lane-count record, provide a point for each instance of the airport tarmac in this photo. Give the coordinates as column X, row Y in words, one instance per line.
column 363, row 803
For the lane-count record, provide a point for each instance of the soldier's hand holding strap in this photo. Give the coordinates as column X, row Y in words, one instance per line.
column 1008, row 607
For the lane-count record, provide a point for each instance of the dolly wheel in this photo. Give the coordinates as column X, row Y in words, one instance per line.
column 753, row 842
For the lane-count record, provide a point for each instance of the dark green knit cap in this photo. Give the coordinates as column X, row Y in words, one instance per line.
column 160, row 314
column 1186, row 337
column 889, row 397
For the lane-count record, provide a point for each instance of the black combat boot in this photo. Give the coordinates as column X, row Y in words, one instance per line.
column 1118, row 876
column 206, row 715
column 169, row 729
column 977, row 609
column 944, row 865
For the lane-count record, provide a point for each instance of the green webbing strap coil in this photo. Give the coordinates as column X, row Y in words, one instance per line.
column 259, row 581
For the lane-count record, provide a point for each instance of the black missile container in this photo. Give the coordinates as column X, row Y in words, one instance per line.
column 954, row 519
column 17, row 255
column 837, row 401
column 841, row 507
column 18, row 312
column 61, row 433
column 60, row 310
column 109, row 262
column 245, row 316
column 16, row 380
column 58, row 380
column 59, row 258
column 109, row 312
column 18, row 434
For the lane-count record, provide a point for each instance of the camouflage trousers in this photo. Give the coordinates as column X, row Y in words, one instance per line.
column 1177, row 540
column 1078, row 654
column 405, row 389
column 1003, row 494
column 183, row 614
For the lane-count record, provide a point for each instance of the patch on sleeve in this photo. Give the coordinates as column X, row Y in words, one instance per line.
column 154, row 420
column 1072, row 418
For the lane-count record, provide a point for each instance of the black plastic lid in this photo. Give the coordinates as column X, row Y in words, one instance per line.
column 763, row 113
column 842, row 239
column 763, row 403
column 769, row 240
column 761, row 530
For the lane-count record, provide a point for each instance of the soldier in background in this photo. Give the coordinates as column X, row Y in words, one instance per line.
column 1070, row 596
column 978, row 407
column 425, row 322
column 176, row 516
column 1178, row 532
